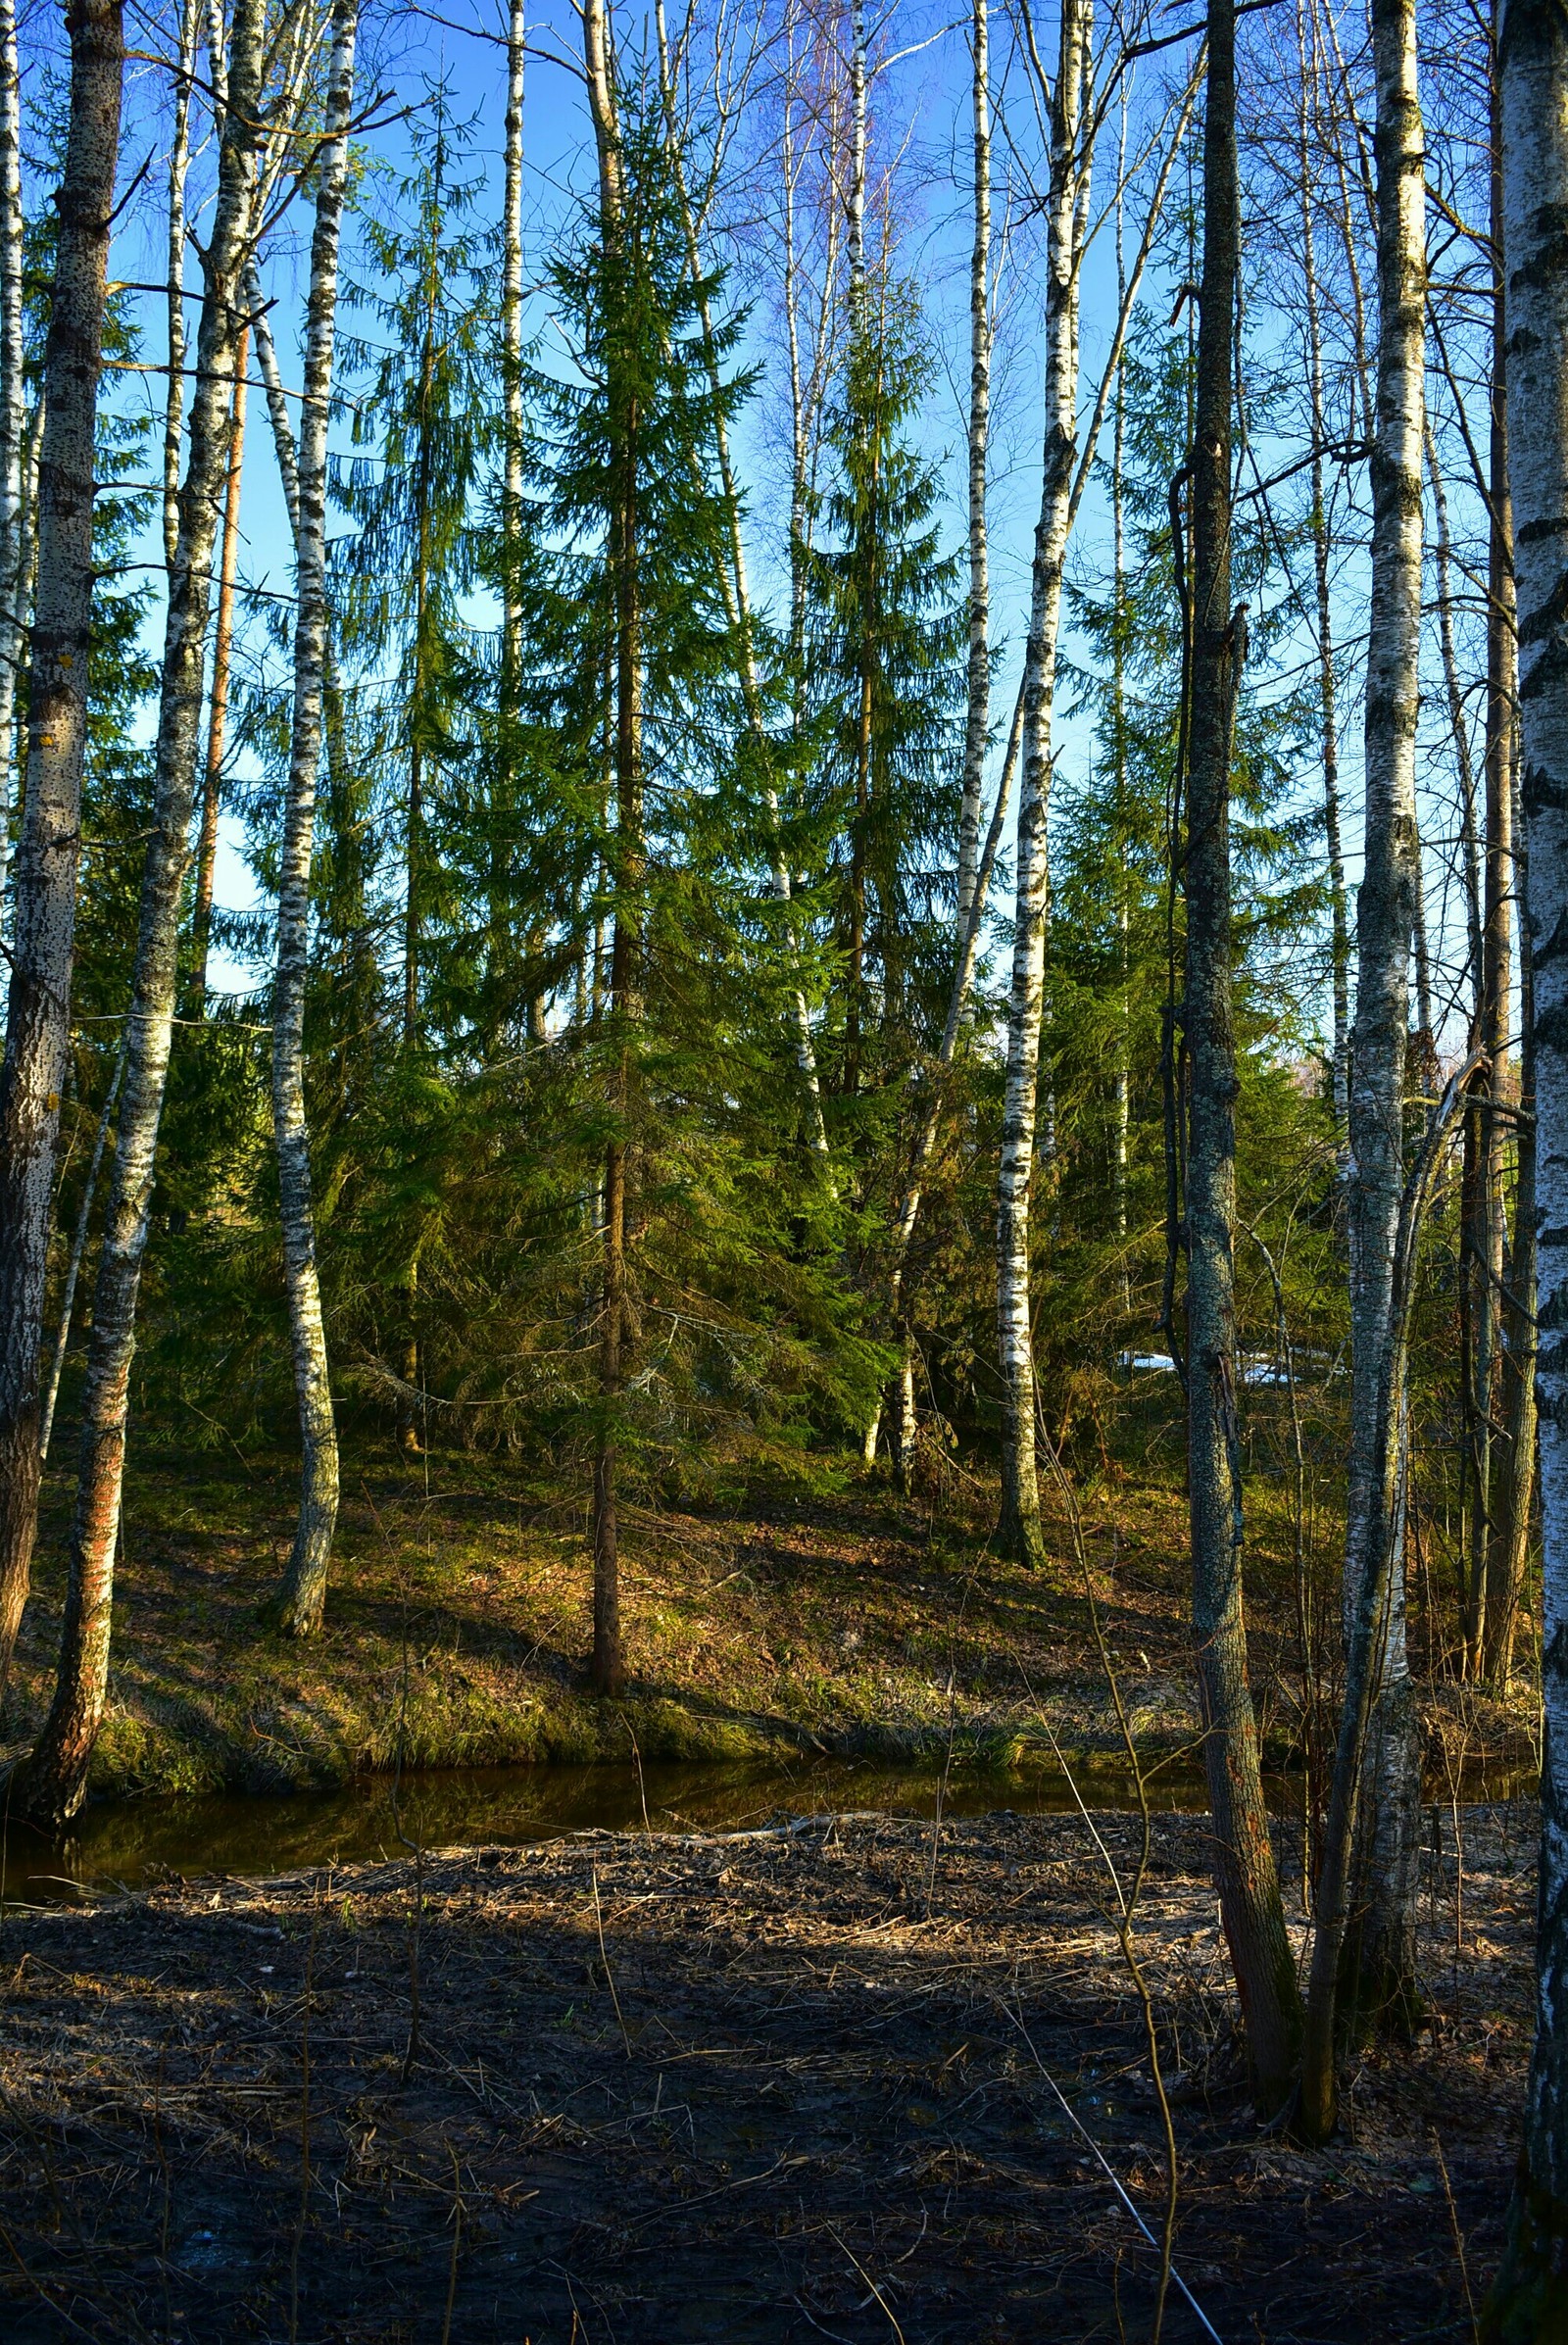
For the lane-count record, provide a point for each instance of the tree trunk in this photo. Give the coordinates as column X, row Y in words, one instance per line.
column 1328, row 711
column 1377, row 1604
column 303, row 1598
column 38, row 1015
column 13, row 419
column 977, row 723
column 1019, row 1531
column 1381, row 1941
column 1485, row 1238
column 1251, row 1910
column 608, row 1667
column 178, row 166
column 1529, row 2298
column 1516, row 1466
column 217, row 712
column 53, row 1782
column 512, row 331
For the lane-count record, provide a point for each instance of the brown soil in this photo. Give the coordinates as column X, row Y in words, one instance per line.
column 765, row 2086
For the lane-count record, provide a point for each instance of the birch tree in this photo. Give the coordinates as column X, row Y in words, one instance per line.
column 1529, row 2298
column 13, row 419
column 303, row 1598
column 39, row 1014
column 1387, row 910
column 1019, row 1531
column 53, row 1781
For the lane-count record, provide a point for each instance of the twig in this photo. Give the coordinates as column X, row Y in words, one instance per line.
column 305, row 2135
column 1109, row 2172
column 844, row 2245
column 610, row 1975
column 1458, row 2236
column 457, row 2240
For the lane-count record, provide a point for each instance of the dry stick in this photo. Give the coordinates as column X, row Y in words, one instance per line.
column 1458, row 2236
column 456, row 2241
column 642, row 1791
column 1109, row 2172
column 610, row 1975
column 846, row 2249
column 305, row 2136
column 1127, row 1903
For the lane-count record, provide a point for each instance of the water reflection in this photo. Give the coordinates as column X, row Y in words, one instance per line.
column 132, row 1841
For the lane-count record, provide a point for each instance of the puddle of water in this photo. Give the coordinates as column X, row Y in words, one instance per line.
column 131, row 1841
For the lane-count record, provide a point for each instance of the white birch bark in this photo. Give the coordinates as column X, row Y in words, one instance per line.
column 1020, row 1529
column 1386, row 914
column 179, row 168
column 977, row 722
column 12, row 419
column 303, row 1598
column 855, row 210
column 54, row 1780
column 276, row 397
column 43, row 935
column 511, row 341
column 1328, row 709
column 1530, row 2297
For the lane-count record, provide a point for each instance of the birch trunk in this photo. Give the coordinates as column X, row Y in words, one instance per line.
column 43, row 938
column 1328, row 711
column 608, row 1667
column 1019, row 1531
column 302, row 1598
column 12, row 610
column 1377, row 1619
column 977, row 723
column 178, row 166
column 512, row 329
column 53, row 1782
column 1251, row 1910
column 1530, row 2299
column 218, row 711
column 1381, row 1939
column 1516, row 1467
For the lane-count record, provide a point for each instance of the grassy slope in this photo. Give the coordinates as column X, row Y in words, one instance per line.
column 458, row 1626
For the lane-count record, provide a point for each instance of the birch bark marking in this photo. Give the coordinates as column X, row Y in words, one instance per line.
column 302, row 1599
column 13, row 616
column 178, row 166
column 39, row 1016
column 1529, row 2298
column 52, row 1783
column 1245, row 1876
column 1019, row 1531
column 607, row 1668
column 1328, row 712
column 1382, row 1945
column 978, row 718
column 218, row 711
column 512, row 329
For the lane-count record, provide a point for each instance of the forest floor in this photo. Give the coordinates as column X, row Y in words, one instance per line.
column 849, row 2077
column 821, row 1615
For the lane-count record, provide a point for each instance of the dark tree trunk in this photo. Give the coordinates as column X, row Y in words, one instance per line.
column 1243, row 1858
column 38, row 1018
